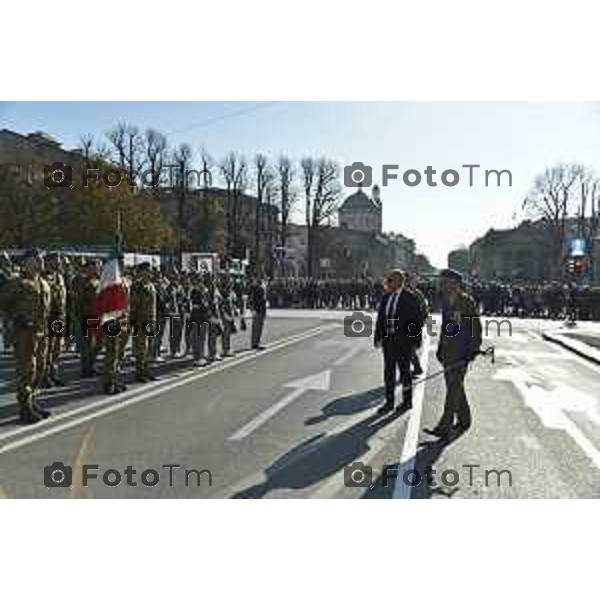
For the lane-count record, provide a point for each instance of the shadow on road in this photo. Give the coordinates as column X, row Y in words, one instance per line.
column 321, row 456
column 348, row 405
column 427, row 455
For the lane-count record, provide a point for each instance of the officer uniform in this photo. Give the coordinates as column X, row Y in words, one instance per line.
column 459, row 343
column 143, row 318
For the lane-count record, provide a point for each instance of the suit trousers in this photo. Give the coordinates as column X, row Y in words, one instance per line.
column 394, row 358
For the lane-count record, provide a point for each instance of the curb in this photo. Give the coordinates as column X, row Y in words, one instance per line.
column 574, row 346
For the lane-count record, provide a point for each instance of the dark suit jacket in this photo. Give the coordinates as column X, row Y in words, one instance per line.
column 408, row 320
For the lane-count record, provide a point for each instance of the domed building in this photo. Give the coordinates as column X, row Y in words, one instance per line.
column 361, row 212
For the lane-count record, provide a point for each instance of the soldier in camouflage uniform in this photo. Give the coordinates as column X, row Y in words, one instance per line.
column 57, row 320
column 6, row 274
column 116, row 336
column 44, row 344
column 215, row 328
column 227, row 309
column 85, row 287
column 26, row 303
column 143, row 318
column 458, row 346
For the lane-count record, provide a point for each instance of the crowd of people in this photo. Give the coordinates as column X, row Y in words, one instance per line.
column 551, row 300
column 48, row 306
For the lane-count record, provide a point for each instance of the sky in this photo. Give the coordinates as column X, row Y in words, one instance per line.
column 525, row 138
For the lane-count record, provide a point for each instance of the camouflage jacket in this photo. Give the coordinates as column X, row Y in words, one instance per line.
column 142, row 302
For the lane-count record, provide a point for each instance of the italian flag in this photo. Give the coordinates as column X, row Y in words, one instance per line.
column 111, row 297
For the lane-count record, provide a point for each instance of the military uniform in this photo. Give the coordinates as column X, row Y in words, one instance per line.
column 27, row 299
column 227, row 312
column 116, row 336
column 44, row 343
column 57, row 322
column 459, row 343
column 143, row 318
column 85, row 289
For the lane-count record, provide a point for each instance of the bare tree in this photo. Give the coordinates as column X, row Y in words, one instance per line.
column 588, row 212
column 86, row 145
column 234, row 171
column 308, row 166
column 550, row 200
column 182, row 157
column 288, row 198
column 128, row 149
column 155, row 146
column 263, row 179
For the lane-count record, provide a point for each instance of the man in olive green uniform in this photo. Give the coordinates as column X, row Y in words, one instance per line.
column 143, row 319
column 215, row 325
column 227, row 309
column 7, row 273
column 26, row 300
column 116, row 336
column 84, row 291
column 459, row 344
column 57, row 320
column 42, row 348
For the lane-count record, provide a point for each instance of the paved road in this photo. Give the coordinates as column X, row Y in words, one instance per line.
column 286, row 422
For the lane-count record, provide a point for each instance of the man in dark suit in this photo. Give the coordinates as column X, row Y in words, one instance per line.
column 398, row 331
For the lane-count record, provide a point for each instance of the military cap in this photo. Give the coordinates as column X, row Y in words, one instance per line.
column 144, row 266
column 90, row 263
column 451, row 274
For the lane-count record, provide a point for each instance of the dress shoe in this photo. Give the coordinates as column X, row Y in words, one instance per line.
column 385, row 408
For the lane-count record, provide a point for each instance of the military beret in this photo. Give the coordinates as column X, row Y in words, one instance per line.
column 451, row 274
column 144, row 266
column 90, row 263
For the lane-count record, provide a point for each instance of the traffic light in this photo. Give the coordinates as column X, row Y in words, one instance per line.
column 579, row 265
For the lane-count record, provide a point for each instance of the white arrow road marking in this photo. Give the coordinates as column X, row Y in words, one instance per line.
column 135, row 396
column 319, row 381
column 553, row 405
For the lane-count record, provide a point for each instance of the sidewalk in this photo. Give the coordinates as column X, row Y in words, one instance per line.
column 583, row 339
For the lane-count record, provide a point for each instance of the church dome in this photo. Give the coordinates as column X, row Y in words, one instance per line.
column 359, row 201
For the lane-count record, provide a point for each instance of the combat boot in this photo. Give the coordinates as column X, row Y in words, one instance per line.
column 27, row 415
column 43, row 412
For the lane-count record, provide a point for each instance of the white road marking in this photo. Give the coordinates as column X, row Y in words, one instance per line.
column 348, row 355
column 119, row 404
column 553, row 405
column 411, row 438
column 319, row 381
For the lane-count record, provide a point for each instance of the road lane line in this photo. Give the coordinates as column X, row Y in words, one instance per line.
column 411, row 439
column 265, row 415
column 141, row 395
